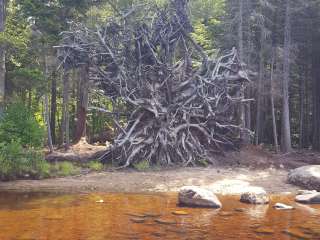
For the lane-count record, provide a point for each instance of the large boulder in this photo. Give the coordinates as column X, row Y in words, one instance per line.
column 309, row 198
column 307, row 177
column 198, row 197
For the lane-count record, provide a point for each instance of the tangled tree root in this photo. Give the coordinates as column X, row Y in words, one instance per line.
column 181, row 103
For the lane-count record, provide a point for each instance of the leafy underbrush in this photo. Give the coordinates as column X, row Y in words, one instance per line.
column 21, row 142
column 19, row 162
column 95, row 166
column 63, row 169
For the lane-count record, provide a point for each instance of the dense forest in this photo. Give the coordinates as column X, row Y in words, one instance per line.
column 43, row 104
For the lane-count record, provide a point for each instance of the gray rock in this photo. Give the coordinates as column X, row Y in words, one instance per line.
column 281, row 206
column 310, row 198
column 303, row 192
column 254, row 198
column 307, row 177
column 198, row 197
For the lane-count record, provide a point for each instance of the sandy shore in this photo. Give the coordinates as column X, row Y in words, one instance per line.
column 220, row 180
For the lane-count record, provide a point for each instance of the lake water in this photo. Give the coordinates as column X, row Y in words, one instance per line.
column 148, row 216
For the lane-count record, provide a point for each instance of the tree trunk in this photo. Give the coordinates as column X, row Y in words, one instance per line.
column 308, row 108
column 316, row 104
column 248, row 92
column 274, row 123
column 245, row 137
column 65, row 111
column 286, row 133
column 46, row 107
column 53, row 107
column 47, row 119
column 260, row 88
column 315, row 88
column 83, row 98
column 302, row 110
column 2, row 57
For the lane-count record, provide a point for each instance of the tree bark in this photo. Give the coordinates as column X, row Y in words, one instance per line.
column 308, row 108
column 46, row 107
column 316, row 104
column 53, row 107
column 302, row 110
column 47, row 119
column 286, row 133
column 65, row 111
column 274, row 124
column 260, row 88
column 248, row 92
column 244, row 135
column 315, row 87
column 2, row 56
column 83, row 98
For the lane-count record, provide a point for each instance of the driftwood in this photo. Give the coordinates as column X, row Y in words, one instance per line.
column 81, row 152
column 181, row 103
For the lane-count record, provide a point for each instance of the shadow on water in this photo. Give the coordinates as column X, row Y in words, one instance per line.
column 148, row 216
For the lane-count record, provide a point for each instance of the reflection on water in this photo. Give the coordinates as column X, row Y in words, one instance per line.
column 141, row 216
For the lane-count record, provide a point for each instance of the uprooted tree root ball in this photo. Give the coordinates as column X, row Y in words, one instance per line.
column 182, row 104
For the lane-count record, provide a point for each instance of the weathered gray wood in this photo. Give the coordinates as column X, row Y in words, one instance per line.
column 180, row 101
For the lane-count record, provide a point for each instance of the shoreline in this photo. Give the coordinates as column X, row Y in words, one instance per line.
column 225, row 181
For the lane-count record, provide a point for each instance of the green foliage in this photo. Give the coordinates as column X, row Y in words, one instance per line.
column 27, row 78
column 142, row 165
column 63, row 169
column 203, row 162
column 21, row 137
column 18, row 162
column 207, row 9
column 95, row 166
column 19, row 125
column 202, row 36
column 17, row 33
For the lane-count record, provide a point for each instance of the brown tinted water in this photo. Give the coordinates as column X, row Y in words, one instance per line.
column 141, row 216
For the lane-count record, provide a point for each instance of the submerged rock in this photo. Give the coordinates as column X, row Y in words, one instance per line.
column 225, row 214
column 152, row 215
column 198, row 197
column 137, row 220
column 180, row 213
column 255, row 198
column 165, row 221
column 295, row 233
column 307, row 177
column 239, row 209
column 264, row 230
column 310, row 198
column 281, row 206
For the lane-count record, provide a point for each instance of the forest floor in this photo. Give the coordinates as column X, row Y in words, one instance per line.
column 251, row 166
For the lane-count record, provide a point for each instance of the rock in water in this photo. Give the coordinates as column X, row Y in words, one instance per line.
column 198, row 197
column 307, row 177
column 264, row 230
column 255, row 198
column 137, row 220
column 180, row 213
column 303, row 192
column 310, row 198
column 281, row 206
